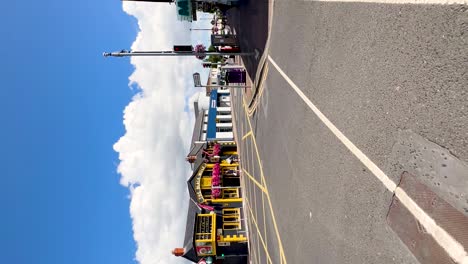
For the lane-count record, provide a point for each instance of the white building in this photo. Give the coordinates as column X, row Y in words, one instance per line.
column 213, row 80
column 213, row 118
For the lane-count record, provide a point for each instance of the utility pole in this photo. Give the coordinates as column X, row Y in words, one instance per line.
column 215, row 63
column 129, row 53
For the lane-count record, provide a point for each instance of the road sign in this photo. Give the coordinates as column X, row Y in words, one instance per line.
column 196, row 79
column 224, row 40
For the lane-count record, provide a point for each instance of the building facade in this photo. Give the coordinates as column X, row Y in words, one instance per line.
column 213, row 117
column 219, row 122
column 216, row 226
column 213, row 80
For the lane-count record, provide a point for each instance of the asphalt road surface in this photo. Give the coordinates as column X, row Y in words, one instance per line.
column 250, row 22
column 393, row 79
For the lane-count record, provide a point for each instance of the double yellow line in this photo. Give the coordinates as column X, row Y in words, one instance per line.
column 261, row 87
column 263, row 187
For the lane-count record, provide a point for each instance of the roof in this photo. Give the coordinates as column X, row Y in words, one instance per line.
column 190, row 182
column 193, row 210
column 199, row 161
column 189, row 249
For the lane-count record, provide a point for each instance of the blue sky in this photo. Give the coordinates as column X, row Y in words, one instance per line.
column 62, row 112
column 75, row 135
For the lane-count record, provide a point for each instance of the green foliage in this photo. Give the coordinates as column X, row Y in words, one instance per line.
column 211, row 48
column 214, row 58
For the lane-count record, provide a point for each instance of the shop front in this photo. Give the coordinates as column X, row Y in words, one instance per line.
column 216, row 227
column 217, row 180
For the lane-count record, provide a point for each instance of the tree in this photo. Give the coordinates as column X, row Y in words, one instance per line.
column 211, row 48
column 214, row 58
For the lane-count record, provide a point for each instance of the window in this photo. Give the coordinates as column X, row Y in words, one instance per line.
column 231, row 219
column 223, row 113
column 230, row 193
column 224, row 129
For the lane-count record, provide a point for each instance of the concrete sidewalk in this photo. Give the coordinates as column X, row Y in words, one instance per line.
column 251, row 88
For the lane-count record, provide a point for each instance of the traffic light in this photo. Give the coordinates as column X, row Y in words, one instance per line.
column 183, row 48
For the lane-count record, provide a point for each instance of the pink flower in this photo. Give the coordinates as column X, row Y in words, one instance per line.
column 200, row 48
column 215, row 193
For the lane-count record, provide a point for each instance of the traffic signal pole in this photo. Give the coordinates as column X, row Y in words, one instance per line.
column 216, row 63
column 126, row 53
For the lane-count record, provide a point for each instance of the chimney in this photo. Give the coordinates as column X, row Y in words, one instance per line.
column 178, row 252
column 191, row 159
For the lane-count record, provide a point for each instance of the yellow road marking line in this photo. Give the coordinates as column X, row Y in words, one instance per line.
column 258, row 232
column 264, row 216
column 252, row 153
column 254, row 180
column 251, row 238
column 255, row 144
column 257, row 255
column 275, row 225
column 253, row 202
column 246, row 135
column 261, row 87
column 246, row 193
column 253, row 158
column 264, row 220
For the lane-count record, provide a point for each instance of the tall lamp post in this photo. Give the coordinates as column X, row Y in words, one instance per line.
column 129, row 53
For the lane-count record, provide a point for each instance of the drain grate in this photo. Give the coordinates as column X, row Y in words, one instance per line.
column 413, row 234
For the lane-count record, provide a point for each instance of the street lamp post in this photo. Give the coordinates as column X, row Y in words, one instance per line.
column 129, row 53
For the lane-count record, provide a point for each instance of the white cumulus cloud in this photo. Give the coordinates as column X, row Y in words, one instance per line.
column 158, row 127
